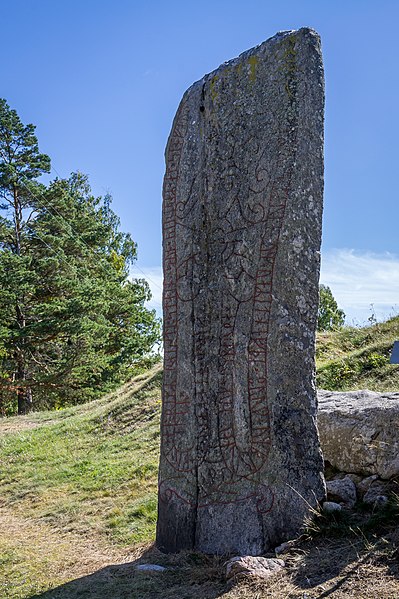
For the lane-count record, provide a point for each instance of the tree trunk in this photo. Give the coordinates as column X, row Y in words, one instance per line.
column 24, row 393
column 25, row 403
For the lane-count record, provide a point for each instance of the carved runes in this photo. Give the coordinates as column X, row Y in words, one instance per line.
column 240, row 460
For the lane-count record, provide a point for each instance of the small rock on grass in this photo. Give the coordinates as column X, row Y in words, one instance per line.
column 247, row 565
column 150, row 568
column 330, row 507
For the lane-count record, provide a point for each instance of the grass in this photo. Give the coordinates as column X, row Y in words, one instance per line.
column 364, row 522
column 358, row 358
column 78, row 501
column 90, row 468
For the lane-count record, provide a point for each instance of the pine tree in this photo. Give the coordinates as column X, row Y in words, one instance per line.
column 85, row 323
column 329, row 316
column 21, row 164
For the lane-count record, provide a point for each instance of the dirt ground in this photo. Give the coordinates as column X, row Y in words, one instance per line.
column 45, row 563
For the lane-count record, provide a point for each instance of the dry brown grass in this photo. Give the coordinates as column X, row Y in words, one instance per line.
column 40, row 557
column 45, row 563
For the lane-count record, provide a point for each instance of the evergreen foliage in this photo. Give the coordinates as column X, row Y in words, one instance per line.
column 71, row 322
column 329, row 316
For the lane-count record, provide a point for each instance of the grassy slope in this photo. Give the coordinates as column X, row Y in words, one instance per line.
column 87, row 472
column 78, row 492
column 89, row 468
column 358, row 358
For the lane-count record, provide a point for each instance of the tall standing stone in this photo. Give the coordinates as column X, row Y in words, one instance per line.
column 240, row 459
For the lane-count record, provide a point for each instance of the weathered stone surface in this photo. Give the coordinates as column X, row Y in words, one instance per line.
column 259, row 567
column 364, row 485
column 240, row 458
column 284, row 547
column 330, row 507
column 359, row 431
column 376, row 494
column 342, row 491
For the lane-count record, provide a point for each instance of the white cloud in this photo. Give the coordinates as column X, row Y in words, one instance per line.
column 359, row 279
column 153, row 276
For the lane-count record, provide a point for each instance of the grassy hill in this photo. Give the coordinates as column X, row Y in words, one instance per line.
column 87, row 473
column 358, row 358
column 78, row 494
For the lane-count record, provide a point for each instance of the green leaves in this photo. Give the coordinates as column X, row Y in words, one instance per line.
column 20, row 159
column 72, row 323
column 329, row 316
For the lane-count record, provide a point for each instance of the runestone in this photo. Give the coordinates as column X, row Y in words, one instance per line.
column 240, row 464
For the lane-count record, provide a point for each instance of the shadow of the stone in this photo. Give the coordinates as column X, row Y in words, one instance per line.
column 115, row 581
column 328, row 563
column 190, row 576
column 338, row 564
column 333, row 566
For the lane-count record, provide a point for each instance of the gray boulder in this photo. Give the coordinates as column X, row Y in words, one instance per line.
column 359, row 431
column 259, row 567
column 342, row 491
column 150, row 568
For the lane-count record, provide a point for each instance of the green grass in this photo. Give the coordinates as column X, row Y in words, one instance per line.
column 93, row 467
column 78, row 486
column 358, row 358
column 89, row 468
column 364, row 521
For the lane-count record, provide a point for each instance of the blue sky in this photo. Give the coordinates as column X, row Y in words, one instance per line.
column 102, row 79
